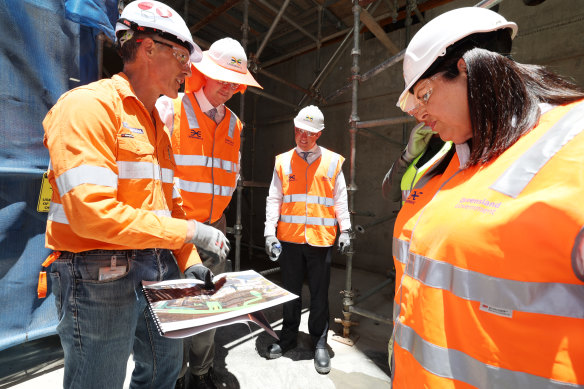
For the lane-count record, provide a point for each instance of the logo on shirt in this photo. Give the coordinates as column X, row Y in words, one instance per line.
column 126, row 135
column 196, row 134
column 292, row 177
column 413, row 196
column 229, row 141
column 481, row 205
column 132, row 129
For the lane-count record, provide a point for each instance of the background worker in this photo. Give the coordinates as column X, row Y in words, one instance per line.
column 114, row 217
column 494, row 254
column 306, row 200
column 206, row 141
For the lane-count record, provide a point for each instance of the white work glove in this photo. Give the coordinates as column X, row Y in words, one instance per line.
column 344, row 243
column 202, row 273
column 273, row 247
column 418, row 142
column 210, row 241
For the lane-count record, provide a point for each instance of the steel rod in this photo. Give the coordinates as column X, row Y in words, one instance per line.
column 272, row 27
column 271, row 97
column 287, row 19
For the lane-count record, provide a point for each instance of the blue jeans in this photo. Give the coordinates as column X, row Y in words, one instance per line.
column 102, row 322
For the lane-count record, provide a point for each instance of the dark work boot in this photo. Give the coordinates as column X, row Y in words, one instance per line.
column 203, row 381
column 275, row 350
column 322, row 361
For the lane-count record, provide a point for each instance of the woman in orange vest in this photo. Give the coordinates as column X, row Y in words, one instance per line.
column 492, row 247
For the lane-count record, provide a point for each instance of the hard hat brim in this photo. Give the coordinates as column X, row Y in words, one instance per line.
column 215, row 71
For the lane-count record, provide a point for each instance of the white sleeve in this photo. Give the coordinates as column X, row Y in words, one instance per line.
column 165, row 107
column 273, row 205
column 341, row 203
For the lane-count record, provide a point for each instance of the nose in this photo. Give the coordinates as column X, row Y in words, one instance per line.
column 187, row 70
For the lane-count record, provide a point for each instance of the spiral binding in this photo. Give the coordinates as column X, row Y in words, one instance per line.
column 152, row 313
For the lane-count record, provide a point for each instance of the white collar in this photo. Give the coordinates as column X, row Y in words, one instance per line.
column 204, row 103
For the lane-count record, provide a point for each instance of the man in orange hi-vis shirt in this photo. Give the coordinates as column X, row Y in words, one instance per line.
column 115, row 218
column 206, row 141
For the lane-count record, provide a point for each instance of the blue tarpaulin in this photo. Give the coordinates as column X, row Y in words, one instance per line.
column 47, row 48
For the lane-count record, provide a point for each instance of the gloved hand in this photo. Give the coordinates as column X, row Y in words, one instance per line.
column 202, row 273
column 418, row 142
column 211, row 241
column 344, row 243
column 273, row 247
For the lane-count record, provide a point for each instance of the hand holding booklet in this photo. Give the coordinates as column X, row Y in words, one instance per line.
column 184, row 307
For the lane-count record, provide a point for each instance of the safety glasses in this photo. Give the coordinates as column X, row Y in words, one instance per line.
column 231, row 85
column 425, row 92
column 181, row 57
column 301, row 132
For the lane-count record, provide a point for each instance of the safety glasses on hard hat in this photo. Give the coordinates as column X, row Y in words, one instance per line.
column 301, row 132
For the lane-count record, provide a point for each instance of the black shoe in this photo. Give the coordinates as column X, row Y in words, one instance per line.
column 276, row 350
column 322, row 361
column 204, row 381
column 180, row 383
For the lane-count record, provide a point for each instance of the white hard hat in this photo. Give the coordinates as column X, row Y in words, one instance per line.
column 437, row 35
column 310, row 118
column 153, row 16
column 226, row 61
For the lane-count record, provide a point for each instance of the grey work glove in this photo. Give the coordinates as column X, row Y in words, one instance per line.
column 273, row 247
column 418, row 142
column 344, row 243
column 211, row 241
column 202, row 273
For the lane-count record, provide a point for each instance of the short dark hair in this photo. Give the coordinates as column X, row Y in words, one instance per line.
column 127, row 51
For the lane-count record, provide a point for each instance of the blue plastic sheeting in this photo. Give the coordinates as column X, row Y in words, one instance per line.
column 43, row 54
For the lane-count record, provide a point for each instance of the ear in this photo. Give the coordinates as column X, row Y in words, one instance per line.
column 461, row 65
column 318, row 134
column 148, row 46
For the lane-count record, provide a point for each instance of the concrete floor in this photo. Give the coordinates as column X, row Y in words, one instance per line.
column 240, row 357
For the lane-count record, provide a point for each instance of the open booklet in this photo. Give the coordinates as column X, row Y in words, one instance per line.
column 183, row 307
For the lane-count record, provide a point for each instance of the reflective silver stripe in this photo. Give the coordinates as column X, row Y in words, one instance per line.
column 316, row 221
column 201, row 160
column 405, row 194
column 144, row 170
column 232, row 123
column 190, row 112
column 333, row 166
column 86, row 174
column 57, row 213
column 533, row 297
column 175, row 192
column 457, row 365
column 302, row 197
column 204, row 187
column 522, row 171
column 399, row 250
column 287, row 163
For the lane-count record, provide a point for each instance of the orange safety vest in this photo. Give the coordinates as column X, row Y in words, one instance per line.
column 112, row 173
column 308, row 210
column 207, row 159
column 493, row 294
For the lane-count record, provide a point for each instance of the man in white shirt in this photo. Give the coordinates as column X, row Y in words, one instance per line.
column 306, row 200
column 205, row 142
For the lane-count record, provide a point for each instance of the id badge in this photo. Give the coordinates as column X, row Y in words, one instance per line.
column 113, row 271
column 45, row 194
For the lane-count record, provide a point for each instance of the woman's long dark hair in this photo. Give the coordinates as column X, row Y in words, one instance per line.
column 503, row 95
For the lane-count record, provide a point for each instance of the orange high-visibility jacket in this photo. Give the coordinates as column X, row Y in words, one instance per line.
column 112, row 175
column 308, row 213
column 493, row 291
column 207, row 159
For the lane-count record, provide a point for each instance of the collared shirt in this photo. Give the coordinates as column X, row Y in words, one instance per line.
column 205, row 105
column 275, row 195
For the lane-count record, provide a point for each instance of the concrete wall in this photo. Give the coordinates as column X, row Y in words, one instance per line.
column 549, row 34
